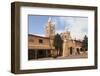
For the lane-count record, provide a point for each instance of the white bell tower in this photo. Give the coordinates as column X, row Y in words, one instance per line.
column 50, row 28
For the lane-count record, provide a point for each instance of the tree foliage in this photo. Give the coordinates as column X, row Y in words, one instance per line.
column 85, row 43
column 57, row 42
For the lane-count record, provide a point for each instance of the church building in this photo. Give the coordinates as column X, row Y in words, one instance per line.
column 42, row 46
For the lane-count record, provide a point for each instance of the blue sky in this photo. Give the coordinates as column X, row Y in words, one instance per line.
column 78, row 26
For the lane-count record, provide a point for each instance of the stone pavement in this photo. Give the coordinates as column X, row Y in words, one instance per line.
column 68, row 57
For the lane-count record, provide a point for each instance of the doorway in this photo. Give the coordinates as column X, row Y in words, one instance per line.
column 71, row 50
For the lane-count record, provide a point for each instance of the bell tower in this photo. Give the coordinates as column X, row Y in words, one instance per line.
column 66, row 38
column 50, row 31
column 50, row 28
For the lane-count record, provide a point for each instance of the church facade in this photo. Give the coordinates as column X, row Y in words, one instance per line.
column 41, row 47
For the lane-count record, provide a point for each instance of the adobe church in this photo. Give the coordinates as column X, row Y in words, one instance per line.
column 42, row 47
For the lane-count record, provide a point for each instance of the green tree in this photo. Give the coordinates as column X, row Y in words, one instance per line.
column 85, row 43
column 58, row 43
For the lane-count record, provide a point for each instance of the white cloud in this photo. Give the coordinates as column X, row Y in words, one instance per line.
column 78, row 26
column 59, row 31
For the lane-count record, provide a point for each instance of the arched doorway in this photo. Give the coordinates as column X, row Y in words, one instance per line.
column 71, row 50
column 78, row 50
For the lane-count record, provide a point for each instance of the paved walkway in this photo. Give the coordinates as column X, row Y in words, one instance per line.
column 68, row 57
